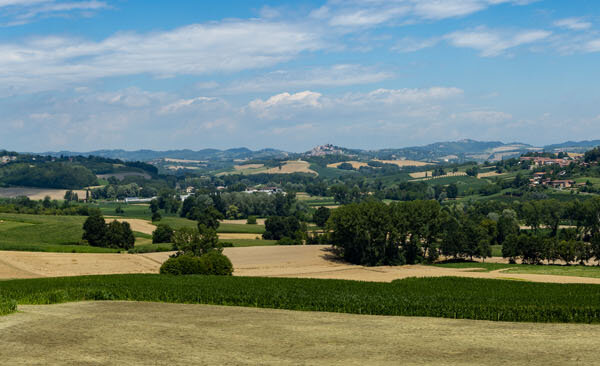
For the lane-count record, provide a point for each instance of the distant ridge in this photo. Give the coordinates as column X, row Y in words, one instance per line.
column 460, row 150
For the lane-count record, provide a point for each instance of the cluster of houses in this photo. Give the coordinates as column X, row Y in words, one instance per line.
column 541, row 161
column 540, row 180
column 7, row 159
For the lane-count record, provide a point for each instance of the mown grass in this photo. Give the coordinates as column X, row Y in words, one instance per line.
column 543, row 269
column 448, row 297
column 575, row 271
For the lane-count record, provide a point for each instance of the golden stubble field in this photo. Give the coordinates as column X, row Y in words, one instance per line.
column 313, row 261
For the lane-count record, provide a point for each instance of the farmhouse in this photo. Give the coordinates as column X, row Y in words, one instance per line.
column 267, row 190
column 560, row 184
column 138, row 199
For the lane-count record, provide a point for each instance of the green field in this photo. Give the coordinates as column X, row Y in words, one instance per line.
column 179, row 222
column 448, row 297
column 39, row 233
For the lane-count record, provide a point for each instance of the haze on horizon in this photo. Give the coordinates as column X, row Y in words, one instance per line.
column 116, row 74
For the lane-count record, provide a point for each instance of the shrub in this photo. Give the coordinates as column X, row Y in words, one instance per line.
column 162, row 234
column 289, row 241
column 251, row 220
column 211, row 263
column 182, row 265
column 216, row 263
column 156, row 216
column 226, row 244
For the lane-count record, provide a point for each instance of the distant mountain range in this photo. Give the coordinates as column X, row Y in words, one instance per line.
column 462, row 150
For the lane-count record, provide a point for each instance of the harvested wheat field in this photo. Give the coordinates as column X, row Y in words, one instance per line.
column 248, row 166
column 311, row 261
column 402, row 163
column 292, row 166
column 139, row 225
column 41, row 264
column 355, row 164
column 37, row 193
column 168, row 334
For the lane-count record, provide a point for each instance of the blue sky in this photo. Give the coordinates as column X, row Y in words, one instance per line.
column 131, row 74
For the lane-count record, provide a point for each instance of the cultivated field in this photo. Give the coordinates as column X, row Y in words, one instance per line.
column 167, row 334
column 428, row 174
column 314, row 261
column 37, row 193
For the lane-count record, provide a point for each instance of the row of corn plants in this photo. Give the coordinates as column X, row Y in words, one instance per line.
column 449, row 297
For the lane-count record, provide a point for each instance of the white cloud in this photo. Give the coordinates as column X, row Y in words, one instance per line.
column 48, row 62
column 183, row 103
column 365, row 13
column 130, row 97
column 321, row 77
column 25, row 11
column 485, row 116
column 573, row 24
column 282, row 105
column 493, row 43
column 592, row 46
column 408, row 96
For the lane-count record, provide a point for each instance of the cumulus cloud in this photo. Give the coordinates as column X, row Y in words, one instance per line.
column 47, row 62
column 282, row 105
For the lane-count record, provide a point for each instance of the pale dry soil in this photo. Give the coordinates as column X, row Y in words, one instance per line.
column 37, row 193
column 314, row 261
column 132, row 333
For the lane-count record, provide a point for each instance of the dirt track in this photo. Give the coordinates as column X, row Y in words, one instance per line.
column 130, row 333
column 270, row 261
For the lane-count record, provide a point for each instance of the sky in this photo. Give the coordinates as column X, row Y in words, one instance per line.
column 138, row 74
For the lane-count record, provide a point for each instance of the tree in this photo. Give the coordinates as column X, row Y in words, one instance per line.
column 321, row 216
column 119, row 235
column 510, row 248
column 162, row 234
column 191, row 241
column 156, row 216
column 71, row 196
column 452, row 190
column 233, row 212
column 278, row 227
column 94, row 230
column 209, row 217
